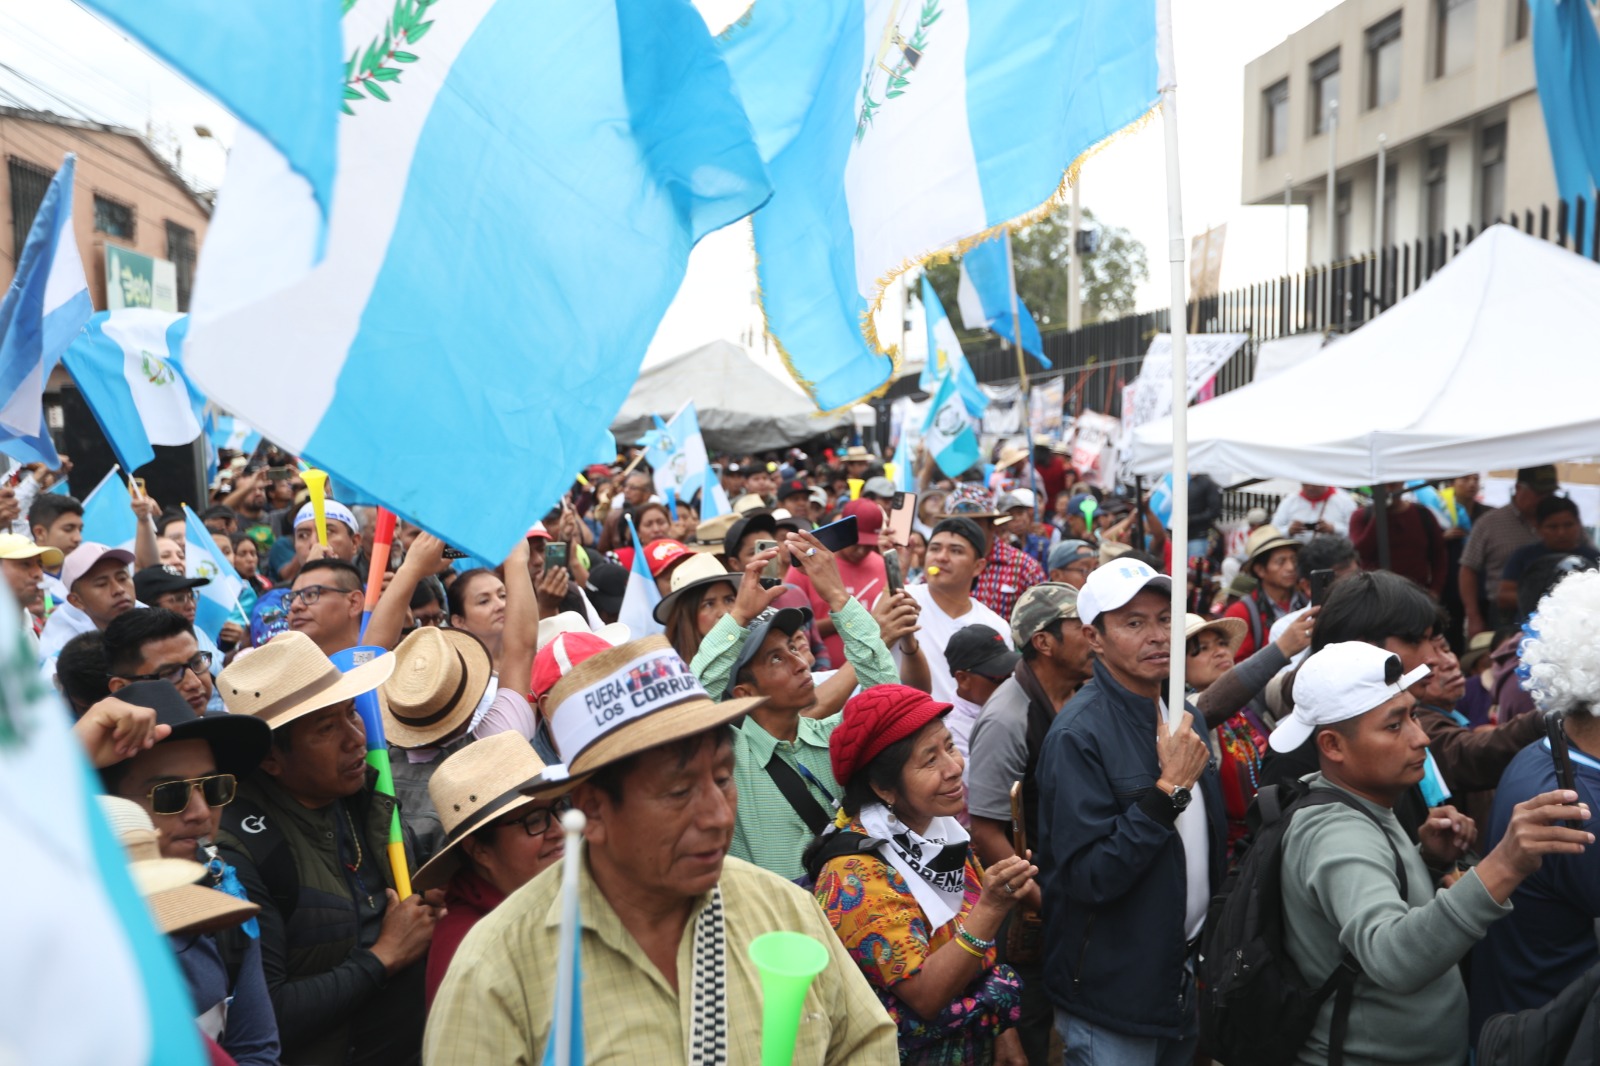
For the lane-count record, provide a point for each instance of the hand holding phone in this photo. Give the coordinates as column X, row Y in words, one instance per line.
column 891, row 566
column 902, row 513
column 1321, row 582
column 555, row 556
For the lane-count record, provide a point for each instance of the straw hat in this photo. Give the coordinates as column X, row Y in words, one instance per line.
column 748, row 504
column 573, row 622
column 1011, row 453
column 289, row 678
column 1110, row 549
column 440, row 676
column 475, row 786
column 1232, row 629
column 708, row 535
column 628, row 700
column 857, row 454
column 168, row 885
column 693, row 574
column 1264, row 540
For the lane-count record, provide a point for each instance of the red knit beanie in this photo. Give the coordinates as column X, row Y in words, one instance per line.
column 875, row 718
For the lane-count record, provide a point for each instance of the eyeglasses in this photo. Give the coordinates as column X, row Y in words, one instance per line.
column 185, row 596
column 311, row 594
column 171, row 797
column 537, row 823
column 200, row 664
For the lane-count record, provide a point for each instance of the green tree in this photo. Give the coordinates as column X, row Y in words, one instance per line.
column 1111, row 273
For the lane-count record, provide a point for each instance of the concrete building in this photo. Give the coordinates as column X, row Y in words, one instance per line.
column 125, row 195
column 1449, row 87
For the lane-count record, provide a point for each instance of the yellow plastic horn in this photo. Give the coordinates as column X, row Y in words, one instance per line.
column 317, row 485
column 855, row 487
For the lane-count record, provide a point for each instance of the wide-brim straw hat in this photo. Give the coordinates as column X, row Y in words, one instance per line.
column 289, row 677
column 857, row 454
column 1264, row 540
column 1233, row 629
column 693, row 574
column 440, row 676
column 710, row 534
column 475, row 786
column 628, row 700
column 168, row 885
column 1010, row 454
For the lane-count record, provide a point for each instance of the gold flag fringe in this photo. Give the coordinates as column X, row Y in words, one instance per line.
column 869, row 329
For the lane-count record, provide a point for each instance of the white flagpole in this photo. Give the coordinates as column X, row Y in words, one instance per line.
column 572, row 823
column 1179, row 525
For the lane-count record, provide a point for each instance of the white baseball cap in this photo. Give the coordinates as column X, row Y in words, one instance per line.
column 1338, row 683
column 1113, row 584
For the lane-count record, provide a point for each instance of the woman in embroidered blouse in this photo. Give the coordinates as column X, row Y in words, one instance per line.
column 917, row 912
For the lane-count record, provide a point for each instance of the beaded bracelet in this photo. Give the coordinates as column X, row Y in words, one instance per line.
column 972, row 941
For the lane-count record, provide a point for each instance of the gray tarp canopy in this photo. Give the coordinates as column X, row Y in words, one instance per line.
column 742, row 405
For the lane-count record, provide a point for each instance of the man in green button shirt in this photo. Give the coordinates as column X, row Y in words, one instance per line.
column 787, row 793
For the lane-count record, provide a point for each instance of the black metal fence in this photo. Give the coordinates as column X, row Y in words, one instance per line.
column 1099, row 359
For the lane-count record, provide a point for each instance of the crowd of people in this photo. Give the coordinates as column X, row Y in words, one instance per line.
column 940, row 746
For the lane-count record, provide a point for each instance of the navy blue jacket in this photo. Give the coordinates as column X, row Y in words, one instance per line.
column 1111, row 865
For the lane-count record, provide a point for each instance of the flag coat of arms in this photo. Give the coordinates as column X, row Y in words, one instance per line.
column 947, row 435
column 898, row 130
column 518, row 190
column 127, row 365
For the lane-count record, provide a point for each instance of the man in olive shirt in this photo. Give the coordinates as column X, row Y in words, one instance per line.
column 666, row 914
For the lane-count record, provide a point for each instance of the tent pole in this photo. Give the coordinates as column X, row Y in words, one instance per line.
column 1380, row 507
column 1179, row 523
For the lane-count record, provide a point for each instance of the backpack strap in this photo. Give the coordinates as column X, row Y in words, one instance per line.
column 1342, row 982
column 794, row 790
column 267, row 848
column 831, row 846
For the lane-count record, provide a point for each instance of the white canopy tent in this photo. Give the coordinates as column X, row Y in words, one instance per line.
column 1489, row 365
column 742, row 405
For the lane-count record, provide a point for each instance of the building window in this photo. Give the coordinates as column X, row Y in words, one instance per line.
column 181, row 250
column 1433, row 179
column 28, row 184
column 1391, row 203
column 1453, row 37
column 113, row 218
column 1324, row 91
column 1341, row 221
column 1383, row 61
column 1492, row 174
column 1275, row 115
column 1519, row 20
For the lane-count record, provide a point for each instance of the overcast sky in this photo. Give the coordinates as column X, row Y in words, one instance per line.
column 63, row 58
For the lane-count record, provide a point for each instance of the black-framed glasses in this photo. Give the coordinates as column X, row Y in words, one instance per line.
column 172, row 797
column 183, row 596
column 536, row 823
column 311, row 594
column 173, row 672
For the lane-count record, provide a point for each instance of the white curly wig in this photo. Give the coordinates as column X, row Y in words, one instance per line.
column 1561, row 652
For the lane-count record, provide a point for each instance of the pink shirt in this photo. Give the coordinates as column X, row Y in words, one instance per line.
column 866, row 581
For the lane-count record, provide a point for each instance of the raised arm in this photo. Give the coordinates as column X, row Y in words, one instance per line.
column 424, row 557
column 520, row 642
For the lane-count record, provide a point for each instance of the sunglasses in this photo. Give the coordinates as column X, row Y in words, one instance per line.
column 172, row 672
column 172, row 797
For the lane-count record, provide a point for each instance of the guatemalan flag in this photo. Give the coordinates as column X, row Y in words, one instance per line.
column 43, row 309
column 518, row 190
column 127, row 365
column 946, row 357
column 278, row 65
column 108, row 513
column 987, row 293
column 641, row 595
column 233, row 434
column 897, row 129
column 947, row 434
column 677, row 452
column 84, row 907
column 216, row 603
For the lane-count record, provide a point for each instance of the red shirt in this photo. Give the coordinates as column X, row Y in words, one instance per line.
column 1417, row 547
column 866, row 581
column 1007, row 576
column 1054, row 477
column 467, row 898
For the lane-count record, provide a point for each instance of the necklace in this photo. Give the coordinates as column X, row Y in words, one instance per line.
column 355, row 841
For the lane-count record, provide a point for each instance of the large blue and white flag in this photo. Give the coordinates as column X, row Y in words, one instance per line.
column 905, row 474
column 108, row 516
column 43, row 309
column 280, row 67
column 677, row 452
column 641, row 594
column 216, row 603
column 128, row 367
column 945, row 355
column 948, row 435
column 987, row 292
column 897, row 129
column 84, row 907
column 533, row 163
column 1566, row 61
column 233, row 434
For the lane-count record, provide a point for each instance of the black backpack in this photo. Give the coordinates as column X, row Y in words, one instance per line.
column 1256, row 1009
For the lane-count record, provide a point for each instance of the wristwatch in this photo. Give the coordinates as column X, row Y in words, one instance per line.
column 1180, row 798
